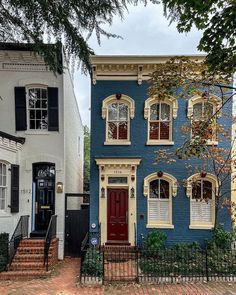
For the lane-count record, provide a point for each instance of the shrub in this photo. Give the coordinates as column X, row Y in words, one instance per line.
column 221, row 238
column 4, row 237
column 92, row 264
column 155, row 241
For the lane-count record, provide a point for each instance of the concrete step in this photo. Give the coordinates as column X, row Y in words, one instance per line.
column 23, row 275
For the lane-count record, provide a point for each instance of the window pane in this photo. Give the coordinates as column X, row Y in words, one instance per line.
column 206, row 214
column 197, row 111
column 112, row 130
column 122, row 180
column 207, row 189
column 32, row 124
column 2, row 198
column 113, row 112
column 154, row 189
column 154, row 130
column 165, row 112
column 44, row 104
column 208, row 110
column 164, row 189
column 164, row 211
column 153, row 211
column 4, row 169
column 123, row 130
column 164, row 130
column 196, row 210
column 123, row 112
column 196, row 190
column 154, row 112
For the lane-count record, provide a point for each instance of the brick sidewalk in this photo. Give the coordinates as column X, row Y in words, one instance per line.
column 64, row 282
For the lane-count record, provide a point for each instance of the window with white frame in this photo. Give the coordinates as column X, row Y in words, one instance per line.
column 159, row 202
column 3, row 186
column 118, row 121
column 160, row 122
column 160, row 114
column 37, row 108
column 204, row 112
column 202, row 200
column 118, row 110
column 159, row 192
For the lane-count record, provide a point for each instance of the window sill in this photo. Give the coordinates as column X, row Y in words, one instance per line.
column 201, row 226
column 171, row 226
column 159, row 142
column 209, row 142
column 117, row 143
column 29, row 132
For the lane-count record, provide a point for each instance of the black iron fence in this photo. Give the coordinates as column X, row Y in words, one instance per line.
column 111, row 263
column 21, row 232
column 50, row 235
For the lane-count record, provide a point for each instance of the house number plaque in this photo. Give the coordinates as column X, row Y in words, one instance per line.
column 117, row 172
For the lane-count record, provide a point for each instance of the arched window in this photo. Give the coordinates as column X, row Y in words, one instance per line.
column 118, row 110
column 203, row 110
column 3, row 186
column 202, row 191
column 159, row 192
column 160, row 115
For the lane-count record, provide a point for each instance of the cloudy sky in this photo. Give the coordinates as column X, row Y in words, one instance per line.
column 145, row 31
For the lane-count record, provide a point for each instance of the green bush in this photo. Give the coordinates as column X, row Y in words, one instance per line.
column 92, row 264
column 221, row 238
column 155, row 241
column 4, row 237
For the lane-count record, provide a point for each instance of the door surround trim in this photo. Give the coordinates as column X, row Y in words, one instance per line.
column 117, row 167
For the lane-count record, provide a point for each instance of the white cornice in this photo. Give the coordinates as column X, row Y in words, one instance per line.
column 129, row 67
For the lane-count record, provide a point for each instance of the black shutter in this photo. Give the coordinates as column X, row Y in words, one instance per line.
column 20, row 108
column 15, row 173
column 53, row 109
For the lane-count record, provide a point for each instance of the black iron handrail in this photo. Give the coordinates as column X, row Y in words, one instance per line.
column 50, row 235
column 21, row 232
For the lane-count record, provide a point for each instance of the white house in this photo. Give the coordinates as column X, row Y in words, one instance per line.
column 41, row 141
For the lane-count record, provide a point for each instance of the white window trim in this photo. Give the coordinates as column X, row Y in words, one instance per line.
column 173, row 103
column 34, row 131
column 173, row 192
column 5, row 211
column 131, row 112
column 209, row 177
column 217, row 105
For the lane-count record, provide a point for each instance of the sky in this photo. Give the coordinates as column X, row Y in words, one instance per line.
column 144, row 31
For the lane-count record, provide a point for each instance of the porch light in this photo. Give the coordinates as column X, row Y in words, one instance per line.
column 132, row 193
column 102, row 192
column 59, row 187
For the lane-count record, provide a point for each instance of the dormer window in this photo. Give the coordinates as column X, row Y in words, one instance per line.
column 37, row 108
column 118, row 110
column 160, row 114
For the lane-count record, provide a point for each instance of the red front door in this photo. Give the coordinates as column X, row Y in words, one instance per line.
column 117, row 215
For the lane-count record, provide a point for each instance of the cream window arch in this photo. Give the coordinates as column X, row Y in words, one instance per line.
column 118, row 110
column 160, row 114
column 159, row 191
column 201, row 192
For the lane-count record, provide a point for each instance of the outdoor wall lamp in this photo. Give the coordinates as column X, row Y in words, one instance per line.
column 132, row 193
column 102, row 192
column 59, row 187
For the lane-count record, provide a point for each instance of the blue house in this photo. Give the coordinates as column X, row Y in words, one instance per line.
column 131, row 194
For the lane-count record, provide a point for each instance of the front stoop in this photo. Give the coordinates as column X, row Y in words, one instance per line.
column 28, row 262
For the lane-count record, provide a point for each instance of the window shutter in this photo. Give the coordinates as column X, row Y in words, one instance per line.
column 20, row 108
column 164, row 211
column 53, row 124
column 14, row 188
